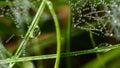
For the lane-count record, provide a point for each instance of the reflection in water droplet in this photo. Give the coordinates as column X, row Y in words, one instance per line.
column 36, row 32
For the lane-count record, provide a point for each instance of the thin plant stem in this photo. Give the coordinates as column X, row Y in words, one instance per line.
column 94, row 45
column 92, row 39
column 50, row 5
column 29, row 32
column 114, row 51
column 68, row 35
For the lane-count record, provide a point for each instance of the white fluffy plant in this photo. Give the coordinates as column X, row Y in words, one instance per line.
column 115, row 19
column 21, row 12
column 97, row 16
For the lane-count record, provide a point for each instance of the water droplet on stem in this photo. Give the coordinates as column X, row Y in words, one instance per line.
column 36, row 32
column 102, row 45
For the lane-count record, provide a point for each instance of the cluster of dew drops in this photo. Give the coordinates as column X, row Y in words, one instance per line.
column 20, row 15
column 106, row 15
column 94, row 12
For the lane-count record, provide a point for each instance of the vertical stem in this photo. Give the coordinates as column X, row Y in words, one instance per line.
column 50, row 5
column 94, row 45
column 68, row 34
column 92, row 39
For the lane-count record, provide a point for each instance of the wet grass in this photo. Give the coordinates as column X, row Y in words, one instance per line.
column 61, row 36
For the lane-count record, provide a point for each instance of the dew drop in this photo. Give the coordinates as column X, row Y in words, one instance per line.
column 1, row 15
column 111, row 34
column 36, row 32
column 75, row 54
column 115, row 21
column 108, row 12
column 95, row 47
column 21, row 36
column 17, row 26
column 24, row 51
column 102, row 45
column 108, row 34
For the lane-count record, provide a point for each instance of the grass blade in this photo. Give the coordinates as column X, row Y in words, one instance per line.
column 50, row 5
column 30, row 31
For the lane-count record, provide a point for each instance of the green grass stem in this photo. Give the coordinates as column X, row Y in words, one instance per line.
column 57, row 62
column 113, row 50
column 92, row 39
column 68, row 35
column 29, row 32
column 94, row 45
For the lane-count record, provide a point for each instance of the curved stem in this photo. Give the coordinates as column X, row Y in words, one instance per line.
column 50, row 5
